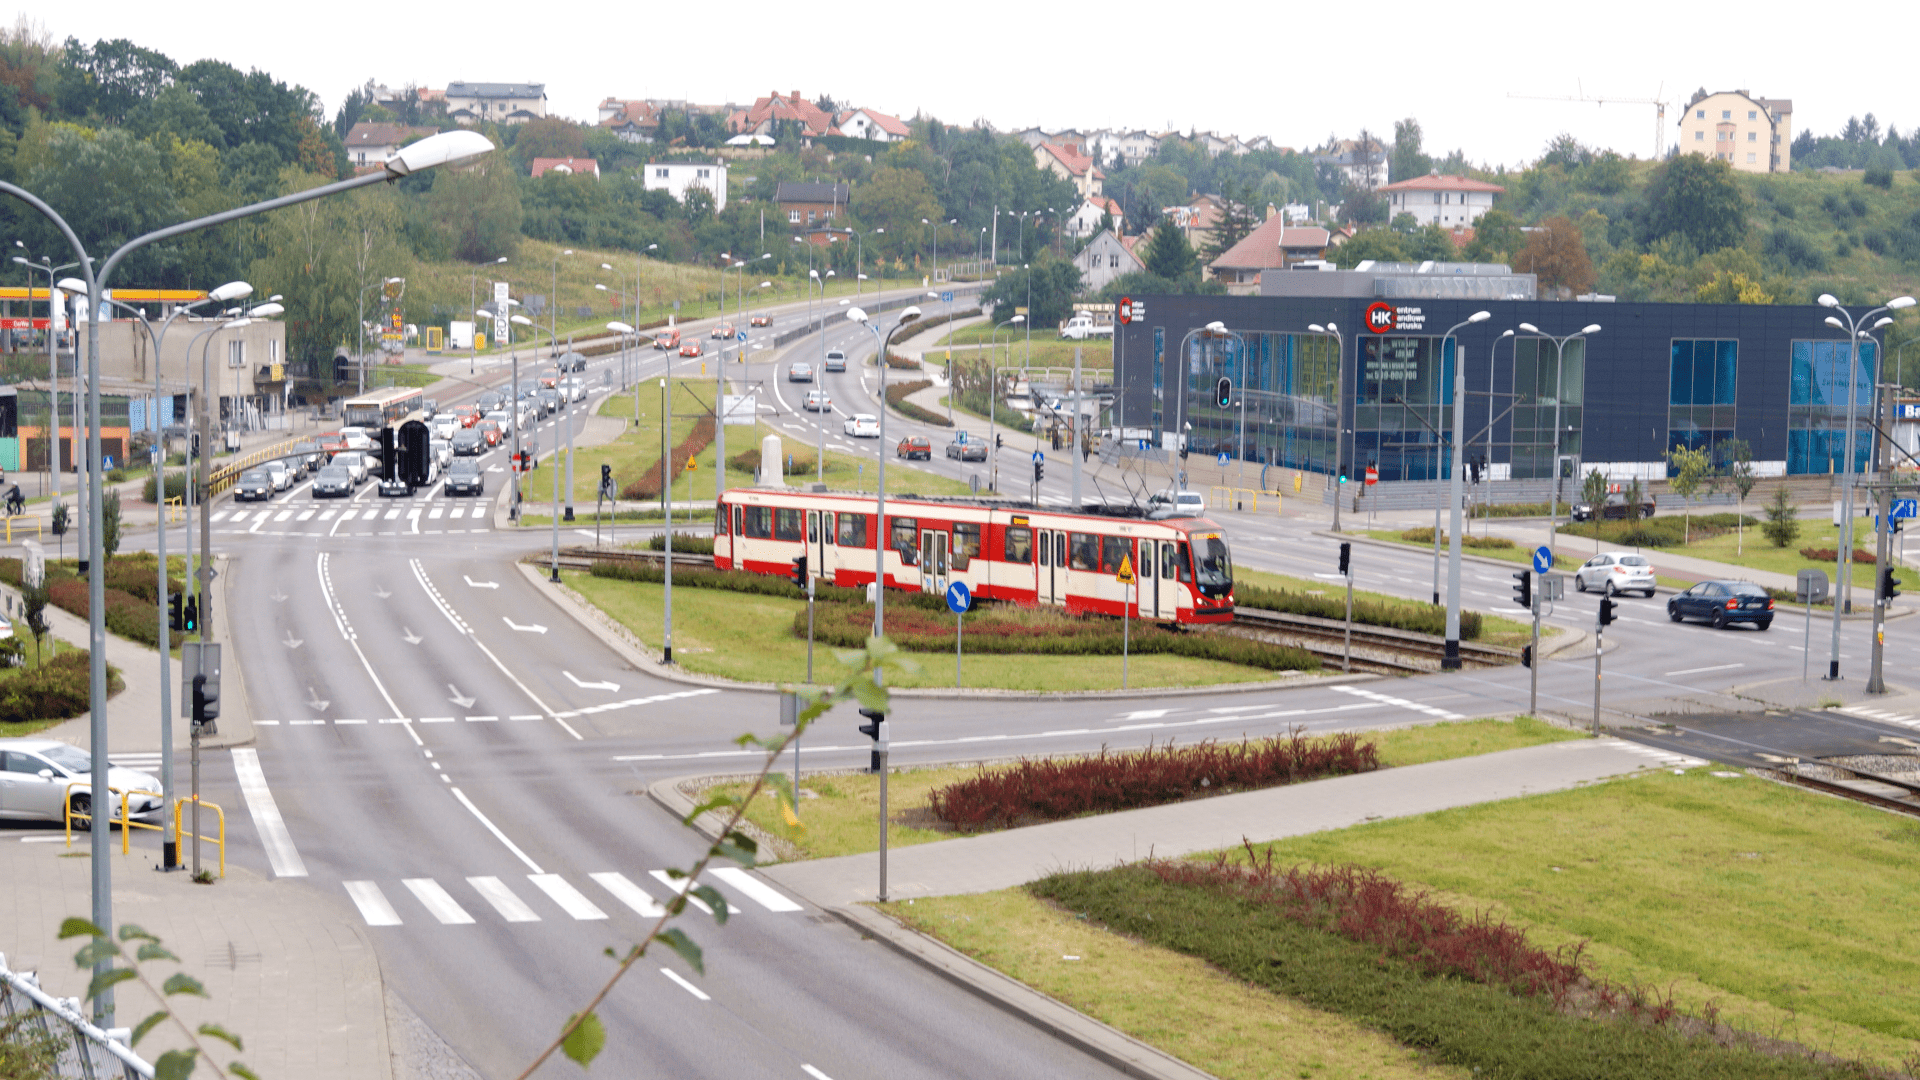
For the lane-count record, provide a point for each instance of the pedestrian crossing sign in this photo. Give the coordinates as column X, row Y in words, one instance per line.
column 693, row 464
column 1125, row 576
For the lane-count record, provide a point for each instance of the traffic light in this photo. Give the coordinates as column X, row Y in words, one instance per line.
column 1343, row 478
column 1223, row 392
column 206, row 702
column 606, row 474
column 1889, row 585
column 999, row 441
column 1473, row 469
column 799, row 576
column 389, row 458
column 416, row 454
column 876, row 729
column 1346, row 559
column 1526, row 656
column 1523, row 589
column 190, row 619
column 1039, row 471
column 1606, row 611
column 176, row 619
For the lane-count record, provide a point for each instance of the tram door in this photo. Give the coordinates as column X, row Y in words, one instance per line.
column 1146, row 582
column 1053, row 565
column 1167, row 586
column 819, row 539
column 933, row 562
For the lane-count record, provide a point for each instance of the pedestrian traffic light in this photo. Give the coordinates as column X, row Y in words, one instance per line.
column 1523, row 589
column 190, row 618
column 1526, row 656
column 876, row 729
column 1346, row 558
column 999, row 441
column 389, row 455
column 1039, row 471
column 175, row 617
column 799, row 575
column 1606, row 611
column 1889, row 585
column 1223, row 392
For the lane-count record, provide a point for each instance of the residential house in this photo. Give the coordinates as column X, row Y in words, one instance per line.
column 1270, row 246
column 1034, row 137
column 810, row 203
column 499, row 103
column 1363, row 166
column 774, row 108
column 871, row 124
column 1131, row 147
column 1085, row 221
column 677, row 177
column 1439, row 199
column 630, row 121
column 565, row 166
column 1197, row 219
column 1749, row 133
column 1104, row 258
column 1070, row 163
column 369, row 144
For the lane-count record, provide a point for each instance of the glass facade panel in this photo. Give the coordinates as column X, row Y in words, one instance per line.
column 1539, row 373
column 1159, row 378
column 1817, row 407
column 1700, row 395
column 1283, row 409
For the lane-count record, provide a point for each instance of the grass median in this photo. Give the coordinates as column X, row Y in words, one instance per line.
column 1494, row 629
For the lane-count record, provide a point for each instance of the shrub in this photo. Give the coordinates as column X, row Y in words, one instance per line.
column 688, row 542
column 649, row 484
column 1049, row 790
column 176, row 486
column 127, row 615
column 1419, row 618
column 1484, row 543
column 54, row 691
column 1782, row 526
column 1827, row 555
column 897, row 397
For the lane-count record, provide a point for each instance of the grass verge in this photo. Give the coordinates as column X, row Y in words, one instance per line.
column 1494, row 629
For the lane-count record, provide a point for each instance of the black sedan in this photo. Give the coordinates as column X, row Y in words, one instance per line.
column 465, row 478
column 1723, row 602
column 469, row 441
column 334, row 481
column 253, row 485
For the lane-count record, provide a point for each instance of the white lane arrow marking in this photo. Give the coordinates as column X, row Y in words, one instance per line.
column 481, row 584
column 314, row 702
column 463, row 702
column 292, row 642
column 1899, row 741
column 495, row 468
column 381, row 593
column 536, row 628
column 591, row 685
column 410, row 637
column 278, row 597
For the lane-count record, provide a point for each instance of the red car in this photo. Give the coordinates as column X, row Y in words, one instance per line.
column 760, row 320
column 723, row 330
column 468, row 416
column 490, row 431
column 915, row 446
column 691, row 348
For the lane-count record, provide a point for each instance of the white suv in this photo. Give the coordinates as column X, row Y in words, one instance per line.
column 1613, row 572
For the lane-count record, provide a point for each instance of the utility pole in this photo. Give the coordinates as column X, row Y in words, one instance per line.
column 1883, row 509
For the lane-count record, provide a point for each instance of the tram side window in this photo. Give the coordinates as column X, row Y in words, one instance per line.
column 906, row 540
column 1085, row 551
column 853, row 530
column 720, row 515
column 1166, row 560
column 1145, row 567
column 1112, row 550
column 759, row 524
column 786, row 523
column 1019, row 544
column 1184, row 564
column 966, row 544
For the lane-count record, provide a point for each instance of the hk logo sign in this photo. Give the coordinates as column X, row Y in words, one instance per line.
column 1385, row 318
column 1380, row 318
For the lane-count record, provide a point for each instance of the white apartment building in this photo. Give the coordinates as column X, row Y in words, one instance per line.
column 676, row 177
column 1440, row 200
column 1749, row 133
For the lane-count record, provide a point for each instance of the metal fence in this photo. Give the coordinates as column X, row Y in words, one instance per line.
column 84, row 1052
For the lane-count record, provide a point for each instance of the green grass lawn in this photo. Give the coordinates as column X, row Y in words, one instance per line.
column 746, row 637
column 1792, row 912
column 1494, row 629
column 841, row 820
column 1047, row 350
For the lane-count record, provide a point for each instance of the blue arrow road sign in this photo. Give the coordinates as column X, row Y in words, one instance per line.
column 739, row 335
column 1906, row 508
column 1542, row 559
column 946, row 298
column 958, row 598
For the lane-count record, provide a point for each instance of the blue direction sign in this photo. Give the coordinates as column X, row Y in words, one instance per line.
column 739, row 335
column 946, row 298
column 1542, row 559
column 959, row 599
column 1906, row 508
column 1038, row 456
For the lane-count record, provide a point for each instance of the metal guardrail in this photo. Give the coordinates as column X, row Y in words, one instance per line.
column 23, row 521
column 85, row 1052
column 1242, row 498
column 220, row 840
column 223, row 477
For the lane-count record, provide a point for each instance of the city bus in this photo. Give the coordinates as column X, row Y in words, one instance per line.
column 385, row 407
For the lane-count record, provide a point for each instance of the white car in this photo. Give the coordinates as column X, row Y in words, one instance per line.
column 576, row 389
column 443, row 452
column 1177, row 503
column 355, row 463
column 357, row 438
column 836, row 360
column 1614, row 572
column 278, row 472
column 862, row 426
column 35, row 774
column 818, row 401
column 444, row 426
column 504, row 419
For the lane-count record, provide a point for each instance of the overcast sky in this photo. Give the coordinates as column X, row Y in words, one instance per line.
column 1293, row 73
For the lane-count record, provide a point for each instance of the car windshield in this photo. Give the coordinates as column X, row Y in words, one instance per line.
column 1633, row 560
column 1212, row 564
column 1746, row 588
column 468, row 467
column 71, row 758
column 254, row 478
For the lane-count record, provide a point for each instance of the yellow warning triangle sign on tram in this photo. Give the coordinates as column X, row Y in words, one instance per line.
column 1125, row 576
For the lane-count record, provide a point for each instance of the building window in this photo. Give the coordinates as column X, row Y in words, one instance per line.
column 1750, row 158
column 1726, row 114
column 1698, row 136
column 1538, row 374
column 1159, row 377
column 1753, row 114
column 660, row 174
column 1753, row 136
column 1701, row 384
column 1817, row 407
column 793, row 218
column 1701, row 114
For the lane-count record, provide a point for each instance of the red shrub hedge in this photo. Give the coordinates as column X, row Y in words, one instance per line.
column 1050, row 790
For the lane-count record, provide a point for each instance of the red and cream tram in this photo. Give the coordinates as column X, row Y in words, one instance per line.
column 1034, row 555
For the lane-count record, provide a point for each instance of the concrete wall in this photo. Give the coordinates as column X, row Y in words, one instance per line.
column 127, row 354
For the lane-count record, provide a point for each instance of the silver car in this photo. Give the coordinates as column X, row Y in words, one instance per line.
column 1614, row 572
column 40, row 777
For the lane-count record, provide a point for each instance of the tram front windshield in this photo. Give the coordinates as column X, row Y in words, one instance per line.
column 1212, row 564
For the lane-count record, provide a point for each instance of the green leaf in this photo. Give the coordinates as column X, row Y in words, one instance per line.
column 128, row 931
column 680, row 943
column 77, row 927
column 174, row 1065
column 152, row 950
column 225, row 1036
column 714, row 900
column 742, row 841
column 676, row 873
column 108, row 978
column 716, row 802
column 147, row 1025
column 182, row 983
column 241, row 1071
column 100, row 948
column 869, row 695
column 586, row 1040
column 734, row 852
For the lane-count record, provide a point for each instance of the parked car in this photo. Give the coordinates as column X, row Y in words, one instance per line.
column 254, row 484
column 334, row 482
column 967, row 451
column 800, row 372
column 41, row 778
column 915, row 446
column 1723, row 602
column 1172, row 503
column 836, row 360
column 691, row 348
column 818, row 401
column 1614, row 508
column 468, row 442
column 862, row 426
column 465, row 478
column 760, row 320
column 1613, row 572
column 722, row 330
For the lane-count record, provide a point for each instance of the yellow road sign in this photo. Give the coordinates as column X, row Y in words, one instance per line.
column 1125, row 576
column 693, row 464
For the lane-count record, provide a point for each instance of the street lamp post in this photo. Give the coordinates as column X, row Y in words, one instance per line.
column 1450, row 660
column 53, row 379
column 1493, row 353
column 882, row 342
column 993, row 398
column 1339, row 411
column 513, row 454
column 1559, row 395
column 473, row 301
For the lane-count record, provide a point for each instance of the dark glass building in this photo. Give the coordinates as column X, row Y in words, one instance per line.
column 1655, row 376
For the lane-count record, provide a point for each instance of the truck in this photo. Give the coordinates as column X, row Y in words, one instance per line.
column 1082, row 326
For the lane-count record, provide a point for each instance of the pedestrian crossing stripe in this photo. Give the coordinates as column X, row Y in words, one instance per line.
column 446, row 909
column 1388, row 699
column 1668, row 758
column 1903, row 719
column 480, row 718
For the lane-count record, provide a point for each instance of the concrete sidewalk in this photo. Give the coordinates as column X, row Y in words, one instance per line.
column 1005, row 859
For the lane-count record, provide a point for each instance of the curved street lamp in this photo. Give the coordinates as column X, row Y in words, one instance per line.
column 1559, row 395
column 882, row 342
column 1339, row 411
column 1450, row 659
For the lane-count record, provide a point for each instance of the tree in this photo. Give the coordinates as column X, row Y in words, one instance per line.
column 1168, row 253
column 895, row 199
column 1053, row 282
column 1741, row 478
column 1366, row 160
column 1593, row 492
column 549, row 137
column 1496, row 238
column 1432, row 243
column 1380, row 245
column 112, row 77
column 1407, row 160
column 1782, row 526
column 1687, row 470
column 478, row 209
column 111, row 187
column 1557, row 254
column 33, row 602
column 110, row 524
column 1235, row 222
column 1698, row 198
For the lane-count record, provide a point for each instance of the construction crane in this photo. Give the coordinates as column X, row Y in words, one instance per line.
column 1659, row 110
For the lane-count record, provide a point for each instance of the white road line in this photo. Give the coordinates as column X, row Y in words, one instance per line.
column 495, row 892
column 629, row 894
column 569, row 898
column 1698, row 670
column 440, row 905
column 685, row 985
column 756, row 890
column 433, row 593
column 304, row 515
column 492, row 828
column 266, row 815
column 346, row 631
column 372, row 903
column 681, row 885
column 813, row 1072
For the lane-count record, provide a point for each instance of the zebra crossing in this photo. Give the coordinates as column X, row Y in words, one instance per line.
column 1906, row 720
column 1399, row 702
column 1666, row 759
column 447, row 518
column 489, row 893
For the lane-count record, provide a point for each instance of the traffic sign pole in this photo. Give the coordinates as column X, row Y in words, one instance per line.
column 959, row 599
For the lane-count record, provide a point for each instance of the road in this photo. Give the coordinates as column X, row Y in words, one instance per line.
column 463, row 768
